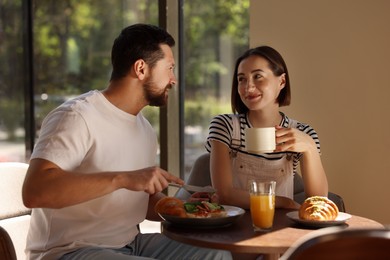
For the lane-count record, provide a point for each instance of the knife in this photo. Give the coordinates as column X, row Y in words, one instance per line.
column 193, row 188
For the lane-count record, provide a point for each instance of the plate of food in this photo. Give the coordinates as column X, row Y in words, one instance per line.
column 200, row 211
column 340, row 219
column 318, row 212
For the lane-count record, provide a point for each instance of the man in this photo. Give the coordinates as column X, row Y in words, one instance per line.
column 92, row 178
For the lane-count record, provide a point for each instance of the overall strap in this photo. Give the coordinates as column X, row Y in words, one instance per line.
column 236, row 135
column 292, row 123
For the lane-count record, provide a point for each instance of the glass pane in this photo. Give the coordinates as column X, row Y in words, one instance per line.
column 72, row 46
column 215, row 34
column 12, row 134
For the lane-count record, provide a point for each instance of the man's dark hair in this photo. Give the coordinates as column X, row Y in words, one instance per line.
column 138, row 41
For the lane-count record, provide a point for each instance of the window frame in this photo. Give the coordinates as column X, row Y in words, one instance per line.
column 171, row 127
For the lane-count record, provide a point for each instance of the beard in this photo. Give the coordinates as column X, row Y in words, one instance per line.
column 155, row 96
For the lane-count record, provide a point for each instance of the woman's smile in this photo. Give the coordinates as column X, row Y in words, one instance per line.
column 253, row 97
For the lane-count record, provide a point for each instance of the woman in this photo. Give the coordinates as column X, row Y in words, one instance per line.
column 260, row 86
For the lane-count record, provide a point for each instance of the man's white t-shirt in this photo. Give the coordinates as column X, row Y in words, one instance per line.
column 89, row 134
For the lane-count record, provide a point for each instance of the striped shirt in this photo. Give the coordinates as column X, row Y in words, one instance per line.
column 221, row 130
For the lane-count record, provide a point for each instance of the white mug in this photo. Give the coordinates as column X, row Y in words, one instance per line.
column 260, row 140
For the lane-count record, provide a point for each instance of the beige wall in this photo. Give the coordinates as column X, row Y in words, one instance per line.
column 338, row 55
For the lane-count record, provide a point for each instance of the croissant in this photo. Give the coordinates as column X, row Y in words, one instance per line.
column 318, row 208
column 171, row 206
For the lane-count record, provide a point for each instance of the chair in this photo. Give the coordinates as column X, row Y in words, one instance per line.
column 300, row 196
column 14, row 216
column 344, row 244
column 200, row 176
column 7, row 250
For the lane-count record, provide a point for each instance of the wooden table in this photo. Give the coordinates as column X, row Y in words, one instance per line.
column 240, row 237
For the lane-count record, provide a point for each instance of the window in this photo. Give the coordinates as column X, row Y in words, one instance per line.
column 72, row 46
column 71, row 55
column 215, row 34
column 12, row 78
column 72, row 41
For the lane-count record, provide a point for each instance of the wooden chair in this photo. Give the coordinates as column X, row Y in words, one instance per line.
column 14, row 216
column 200, row 176
column 342, row 244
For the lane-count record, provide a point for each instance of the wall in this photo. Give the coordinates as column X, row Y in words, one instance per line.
column 338, row 55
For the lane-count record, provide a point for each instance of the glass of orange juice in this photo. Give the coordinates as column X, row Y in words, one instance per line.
column 262, row 204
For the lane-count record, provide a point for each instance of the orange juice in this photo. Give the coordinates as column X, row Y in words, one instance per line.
column 262, row 209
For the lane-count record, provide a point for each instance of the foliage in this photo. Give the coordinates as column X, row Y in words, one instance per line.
column 10, row 112
column 73, row 40
column 197, row 112
column 204, row 26
column 71, row 30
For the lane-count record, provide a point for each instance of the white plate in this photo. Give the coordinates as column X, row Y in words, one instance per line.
column 233, row 213
column 341, row 219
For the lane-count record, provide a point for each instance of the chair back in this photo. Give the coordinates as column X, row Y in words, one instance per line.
column 7, row 250
column 300, row 196
column 200, row 171
column 14, row 216
column 338, row 243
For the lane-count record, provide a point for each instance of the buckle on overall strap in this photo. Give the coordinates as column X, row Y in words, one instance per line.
column 235, row 146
